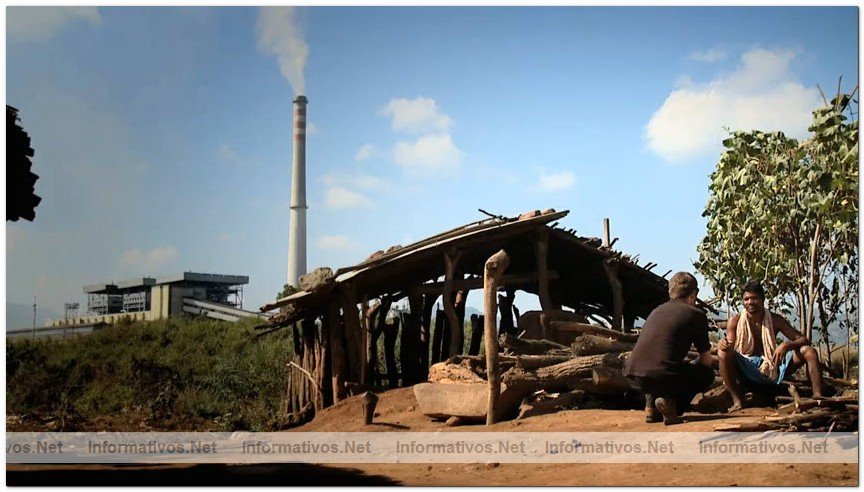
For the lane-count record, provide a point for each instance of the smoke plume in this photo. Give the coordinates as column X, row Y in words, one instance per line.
column 279, row 34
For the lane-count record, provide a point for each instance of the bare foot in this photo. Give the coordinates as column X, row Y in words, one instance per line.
column 735, row 407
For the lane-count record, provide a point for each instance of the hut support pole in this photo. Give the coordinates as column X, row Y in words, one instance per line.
column 339, row 360
column 492, row 272
column 356, row 340
column 541, row 249
column 451, row 258
column 617, row 295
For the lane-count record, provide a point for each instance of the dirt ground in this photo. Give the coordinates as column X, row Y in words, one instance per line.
column 397, row 411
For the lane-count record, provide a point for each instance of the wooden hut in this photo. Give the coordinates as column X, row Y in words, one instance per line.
column 341, row 315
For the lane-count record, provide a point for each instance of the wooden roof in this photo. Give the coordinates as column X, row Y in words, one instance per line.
column 576, row 263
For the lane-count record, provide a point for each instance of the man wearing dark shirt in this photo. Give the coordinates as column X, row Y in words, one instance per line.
column 656, row 366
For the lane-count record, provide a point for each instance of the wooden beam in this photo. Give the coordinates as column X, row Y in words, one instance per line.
column 474, row 283
column 356, row 341
column 606, row 233
column 492, row 272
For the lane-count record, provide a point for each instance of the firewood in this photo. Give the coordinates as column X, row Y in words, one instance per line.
column 748, row 427
column 524, row 361
column 528, row 347
column 836, row 382
column 588, row 344
column 585, row 328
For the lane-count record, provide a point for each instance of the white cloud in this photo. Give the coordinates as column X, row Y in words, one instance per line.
column 417, row 116
column 761, row 93
column 148, row 262
column 366, row 151
column 41, row 23
column 340, row 197
column 337, row 242
column 708, row 56
column 555, row 181
column 429, row 152
column 279, row 34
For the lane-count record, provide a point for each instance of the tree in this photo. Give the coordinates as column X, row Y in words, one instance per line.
column 21, row 199
column 786, row 214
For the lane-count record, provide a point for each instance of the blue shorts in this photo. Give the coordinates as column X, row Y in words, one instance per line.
column 748, row 368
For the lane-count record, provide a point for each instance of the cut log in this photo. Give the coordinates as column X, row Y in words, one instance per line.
column 527, row 347
column 523, row 361
column 533, row 406
column 466, row 401
column 444, row 372
column 585, row 328
column 588, row 344
column 804, row 404
column 610, row 379
column 840, row 383
column 556, row 378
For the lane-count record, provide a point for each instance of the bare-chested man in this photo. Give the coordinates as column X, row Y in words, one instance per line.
column 750, row 349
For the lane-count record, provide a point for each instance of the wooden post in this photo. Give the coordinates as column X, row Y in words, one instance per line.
column 339, row 362
column 391, row 331
column 505, row 306
column 492, row 272
column 354, row 335
column 409, row 352
column 459, row 305
column 476, row 334
column 607, row 238
column 369, row 316
column 325, row 370
column 541, row 248
column 611, row 270
column 437, row 336
column 426, row 335
column 451, row 258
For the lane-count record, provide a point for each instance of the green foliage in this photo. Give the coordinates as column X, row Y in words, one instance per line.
column 180, row 372
column 287, row 290
column 785, row 213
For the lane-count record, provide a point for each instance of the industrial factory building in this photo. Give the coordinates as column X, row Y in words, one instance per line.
column 206, row 294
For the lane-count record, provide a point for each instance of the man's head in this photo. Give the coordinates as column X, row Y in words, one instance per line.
column 754, row 297
column 682, row 286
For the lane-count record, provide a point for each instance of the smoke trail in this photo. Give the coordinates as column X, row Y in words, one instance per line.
column 279, row 34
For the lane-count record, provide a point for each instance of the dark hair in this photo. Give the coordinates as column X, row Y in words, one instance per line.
column 755, row 288
column 681, row 285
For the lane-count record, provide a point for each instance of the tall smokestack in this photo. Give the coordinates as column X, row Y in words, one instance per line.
column 297, row 231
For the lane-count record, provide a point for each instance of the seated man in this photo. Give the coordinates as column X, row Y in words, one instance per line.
column 656, row 366
column 750, row 349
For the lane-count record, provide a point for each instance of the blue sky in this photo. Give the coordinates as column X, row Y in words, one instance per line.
column 163, row 135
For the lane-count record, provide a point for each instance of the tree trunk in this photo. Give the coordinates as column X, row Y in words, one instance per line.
column 541, row 251
column 560, row 376
column 492, row 271
column 611, row 271
column 356, row 343
column 410, row 351
column 426, row 335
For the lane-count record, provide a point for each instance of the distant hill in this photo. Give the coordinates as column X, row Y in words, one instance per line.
column 21, row 316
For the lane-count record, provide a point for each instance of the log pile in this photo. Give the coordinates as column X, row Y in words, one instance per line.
column 536, row 376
